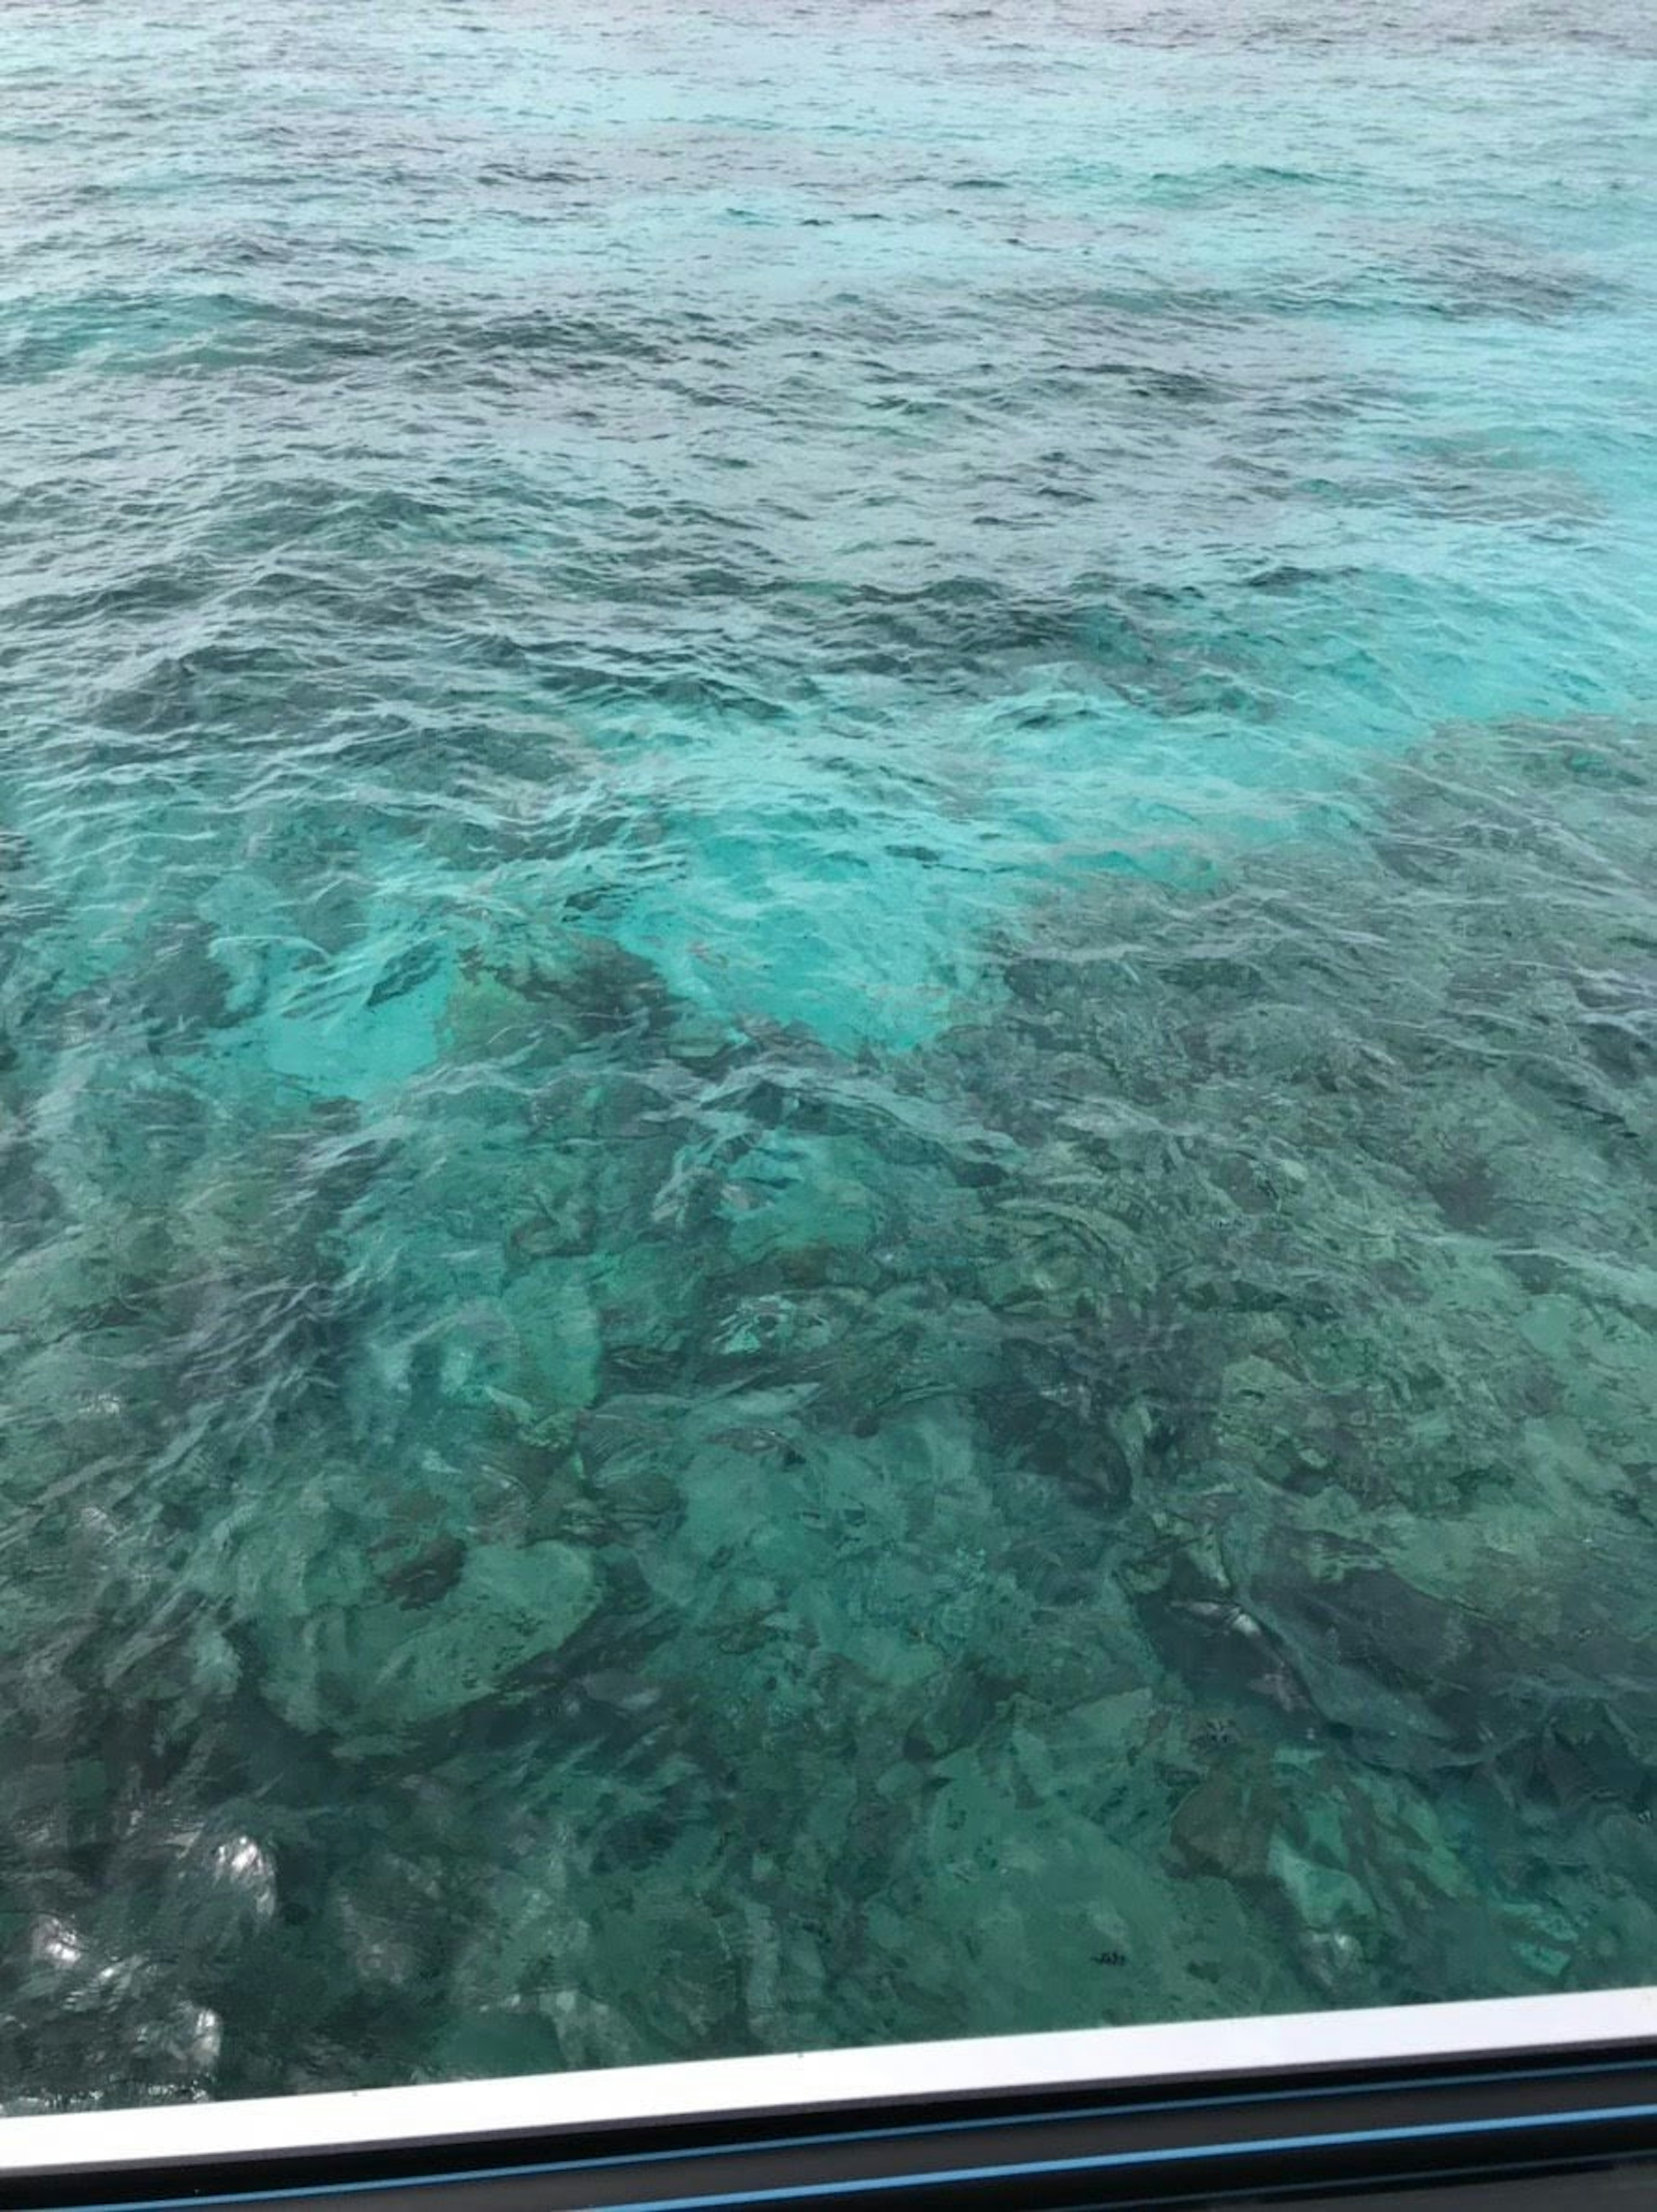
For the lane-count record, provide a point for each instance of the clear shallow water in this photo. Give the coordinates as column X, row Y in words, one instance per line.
column 830, row 1012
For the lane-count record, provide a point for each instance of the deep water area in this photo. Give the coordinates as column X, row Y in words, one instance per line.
column 828, row 1024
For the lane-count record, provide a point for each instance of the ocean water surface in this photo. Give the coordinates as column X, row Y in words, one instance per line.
column 828, row 1024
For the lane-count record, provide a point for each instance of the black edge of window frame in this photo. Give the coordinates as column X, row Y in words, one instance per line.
column 1307, row 2133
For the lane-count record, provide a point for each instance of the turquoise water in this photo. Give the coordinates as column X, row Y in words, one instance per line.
column 830, row 1025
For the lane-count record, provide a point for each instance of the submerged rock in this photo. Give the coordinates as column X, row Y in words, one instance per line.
column 371, row 1671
